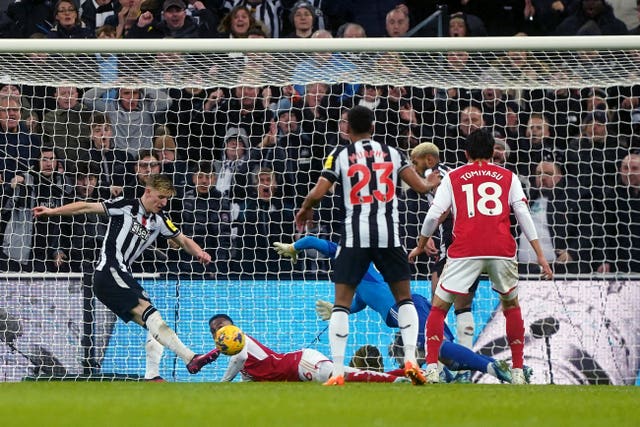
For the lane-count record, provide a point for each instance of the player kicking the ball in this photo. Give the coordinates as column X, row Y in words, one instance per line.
column 480, row 196
column 133, row 226
column 257, row 362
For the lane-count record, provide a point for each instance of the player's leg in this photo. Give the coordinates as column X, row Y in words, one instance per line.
column 350, row 266
column 465, row 326
column 153, row 351
column 459, row 358
column 504, row 277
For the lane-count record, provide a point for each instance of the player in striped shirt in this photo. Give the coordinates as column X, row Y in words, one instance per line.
column 368, row 173
column 481, row 196
column 134, row 225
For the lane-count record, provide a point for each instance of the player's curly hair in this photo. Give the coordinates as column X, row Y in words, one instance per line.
column 220, row 316
column 367, row 357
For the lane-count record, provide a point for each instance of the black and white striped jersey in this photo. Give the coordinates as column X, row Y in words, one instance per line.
column 369, row 174
column 130, row 231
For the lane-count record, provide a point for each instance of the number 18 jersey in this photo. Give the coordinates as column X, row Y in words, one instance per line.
column 480, row 195
column 369, row 174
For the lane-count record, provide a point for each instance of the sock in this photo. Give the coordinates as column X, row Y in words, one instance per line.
column 358, row 376
column 154, row 353
column 338, row 335
column 515, row 335
column 465, row 327
column 463, row 359
column 434, row 333
column 165, row 335
column 408, row 324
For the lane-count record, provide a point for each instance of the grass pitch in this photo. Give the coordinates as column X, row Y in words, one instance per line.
column 309, row 404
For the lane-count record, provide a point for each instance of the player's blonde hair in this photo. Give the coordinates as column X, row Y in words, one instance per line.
column 162, row 183
column 423, row 149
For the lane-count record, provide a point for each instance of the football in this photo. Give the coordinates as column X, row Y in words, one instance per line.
column 230, row 340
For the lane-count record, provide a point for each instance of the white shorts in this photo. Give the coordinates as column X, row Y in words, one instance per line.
column 458, row 276
column 314, row 366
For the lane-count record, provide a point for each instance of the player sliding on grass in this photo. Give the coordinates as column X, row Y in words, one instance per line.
column 481, row 197
column 133, row 226
column 257, row 362
column 373, row 291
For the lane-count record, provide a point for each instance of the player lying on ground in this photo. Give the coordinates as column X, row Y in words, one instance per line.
column 257, row 362
column 373, row 292
column 134, row 224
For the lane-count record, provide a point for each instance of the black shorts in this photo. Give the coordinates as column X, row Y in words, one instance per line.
column 118, row 291
column 351, row 264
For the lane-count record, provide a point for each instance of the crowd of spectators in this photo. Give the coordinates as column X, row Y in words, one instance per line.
column 243, row 158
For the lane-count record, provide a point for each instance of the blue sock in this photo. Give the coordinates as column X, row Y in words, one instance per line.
column 464, row 359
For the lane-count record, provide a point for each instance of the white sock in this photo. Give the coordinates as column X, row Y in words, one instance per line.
column 166, row 337
column 338, row 335
column 465, row 327
column 154, row 353
column 408, row 324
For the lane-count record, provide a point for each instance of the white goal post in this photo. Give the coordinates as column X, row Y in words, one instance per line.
column 562, row 109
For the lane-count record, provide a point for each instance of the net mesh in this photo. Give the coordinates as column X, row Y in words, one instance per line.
column 93, row 126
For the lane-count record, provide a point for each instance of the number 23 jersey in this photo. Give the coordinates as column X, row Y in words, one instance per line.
column 369, row 174
column 480, row 195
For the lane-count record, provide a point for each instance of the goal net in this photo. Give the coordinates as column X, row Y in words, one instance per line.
column 243, row 128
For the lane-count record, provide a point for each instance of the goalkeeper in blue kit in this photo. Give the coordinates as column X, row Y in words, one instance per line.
column 372, row 291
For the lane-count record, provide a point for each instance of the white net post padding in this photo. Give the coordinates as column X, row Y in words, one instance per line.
column 565, row 113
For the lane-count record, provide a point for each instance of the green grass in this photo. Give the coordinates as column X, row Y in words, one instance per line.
column 309, row 404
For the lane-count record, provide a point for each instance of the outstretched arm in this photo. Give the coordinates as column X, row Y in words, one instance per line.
column 192, row 248
column 325, row 247
column 75, row 208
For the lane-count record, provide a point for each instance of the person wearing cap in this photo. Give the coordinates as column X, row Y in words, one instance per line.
column 303, row 18
column 176, row 23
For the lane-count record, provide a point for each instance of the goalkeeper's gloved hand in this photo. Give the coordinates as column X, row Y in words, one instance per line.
column 286, row 250
column 323, row 309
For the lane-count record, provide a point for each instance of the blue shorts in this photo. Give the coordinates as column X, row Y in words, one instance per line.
column 351, row 264
column 118, row 290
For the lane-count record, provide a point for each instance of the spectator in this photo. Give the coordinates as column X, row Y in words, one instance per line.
column 127, row 17
column 303, row 19
column 146, row 165
column 67, row 127
column 82, row 237
column 268, row 218
column 208, row 216
column 397, row 22
column 268, row 12
column 592, row 17
column 29, row 244
column 351, row 30
column 164, row 149
column 107, row 62
column 237, row 23
column 176, row 23
column 542, row 17
column 234, row 166
column 626, row 11
column 636, row 30
column 110, row 163
column 465, row 25
column 452, row 145
column 132, row 113
column 68, row 24
column 594, row 158
column 96, row 12
column 553, row 204
column 19, row 149
column 31, row 16
column 246, row 109
column 538, row 144
column 370, row 14
column 623, row 226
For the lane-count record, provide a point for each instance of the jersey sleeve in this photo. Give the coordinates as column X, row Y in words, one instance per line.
column 325, row 247
column 168, row 229
column 236, row 363
column 114, row 207
column 331, row 171
column 516, row 192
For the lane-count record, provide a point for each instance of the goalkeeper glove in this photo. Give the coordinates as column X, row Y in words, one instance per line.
column 323, row 309
column 286, row 250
